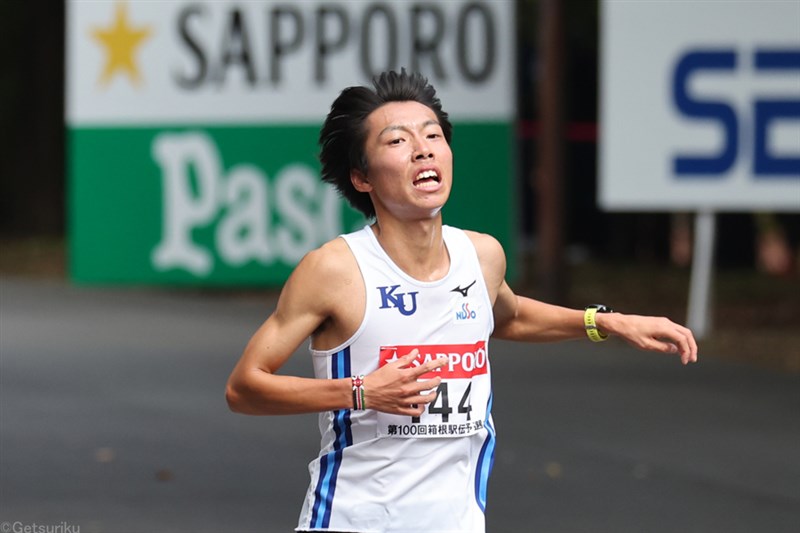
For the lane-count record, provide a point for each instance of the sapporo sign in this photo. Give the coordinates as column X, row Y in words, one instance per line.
column 192, row 127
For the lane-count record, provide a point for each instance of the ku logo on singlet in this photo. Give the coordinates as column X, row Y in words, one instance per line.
column 392, row 299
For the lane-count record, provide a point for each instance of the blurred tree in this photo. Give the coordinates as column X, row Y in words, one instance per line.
column 586, row 228
column 32, row 136
column 32, row 118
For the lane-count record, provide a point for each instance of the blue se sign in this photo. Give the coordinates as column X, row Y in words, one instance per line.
column 765, row 112
column 700, row 106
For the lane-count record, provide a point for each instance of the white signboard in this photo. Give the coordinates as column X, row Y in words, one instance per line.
column 700, row 105
column 193, row 126
column 270, row 61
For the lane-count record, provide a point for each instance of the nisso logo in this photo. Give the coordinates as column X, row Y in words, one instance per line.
column 464, row 360
column 464, row 313
column 766, row 112
column 390, row 299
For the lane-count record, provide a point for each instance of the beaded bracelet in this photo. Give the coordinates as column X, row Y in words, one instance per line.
column 358, row 393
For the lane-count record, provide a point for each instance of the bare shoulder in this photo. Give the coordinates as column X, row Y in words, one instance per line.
column 322, row 274
column 329, row 285
column 490, row 251
column 331, row 264
column 331, row 259
column 492, row 258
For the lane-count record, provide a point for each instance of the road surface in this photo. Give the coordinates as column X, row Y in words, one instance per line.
column 113, row 419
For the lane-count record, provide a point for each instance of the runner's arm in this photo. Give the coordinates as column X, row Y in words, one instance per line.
column 254, row 387
column 520, row 318
column 309, row 298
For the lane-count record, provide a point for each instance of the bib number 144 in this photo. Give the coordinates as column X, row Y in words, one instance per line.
column 441, row 404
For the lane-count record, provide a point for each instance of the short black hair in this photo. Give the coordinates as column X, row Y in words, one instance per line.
column 343, row 135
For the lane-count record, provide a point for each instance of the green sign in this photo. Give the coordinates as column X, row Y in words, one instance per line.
column 184, row 170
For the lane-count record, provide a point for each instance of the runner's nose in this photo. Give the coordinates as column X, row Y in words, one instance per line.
column 422, row 151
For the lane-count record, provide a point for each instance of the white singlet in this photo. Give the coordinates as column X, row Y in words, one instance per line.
column 381, row 473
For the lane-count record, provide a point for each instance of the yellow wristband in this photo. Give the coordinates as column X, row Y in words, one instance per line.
column 590, row 324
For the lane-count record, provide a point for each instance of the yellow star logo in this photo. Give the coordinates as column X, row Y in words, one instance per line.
column 120, row 41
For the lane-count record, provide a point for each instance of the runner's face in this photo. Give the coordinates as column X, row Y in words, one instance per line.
column 409, row 163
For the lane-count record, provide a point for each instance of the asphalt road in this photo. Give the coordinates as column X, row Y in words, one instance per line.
column 113, row 419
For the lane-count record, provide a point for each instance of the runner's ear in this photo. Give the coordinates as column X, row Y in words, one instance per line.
column 360, row 181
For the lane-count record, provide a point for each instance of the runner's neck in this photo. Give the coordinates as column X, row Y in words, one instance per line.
column 417, row 248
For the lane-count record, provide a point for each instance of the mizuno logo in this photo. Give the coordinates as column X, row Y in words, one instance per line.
column 389, row 300
column 464, row 292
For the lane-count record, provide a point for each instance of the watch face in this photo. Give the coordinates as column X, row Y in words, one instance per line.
column 600, row 308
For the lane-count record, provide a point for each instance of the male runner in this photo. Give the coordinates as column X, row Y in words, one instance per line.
column 400, row 315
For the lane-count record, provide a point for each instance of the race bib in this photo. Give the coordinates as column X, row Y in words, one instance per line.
column 461, row 398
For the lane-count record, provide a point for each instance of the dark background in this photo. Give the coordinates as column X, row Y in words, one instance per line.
column 33, row 155
column 623, row 259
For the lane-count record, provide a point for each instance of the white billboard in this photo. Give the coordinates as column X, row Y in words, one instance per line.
column 145, row 62
column 193, row 126
column 700, row 105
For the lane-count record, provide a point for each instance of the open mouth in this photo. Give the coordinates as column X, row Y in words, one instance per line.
column 427, row 179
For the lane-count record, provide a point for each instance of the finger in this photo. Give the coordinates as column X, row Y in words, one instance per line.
column 671, row 347
column 412, row 409
column 690, row 356
column 422, row 399
column 685, row 350
column 431, row 366
column 407, row 359
column 692, row 345
column 426, row 385
column 663, row 346
column 687, row 347
column 682, row 347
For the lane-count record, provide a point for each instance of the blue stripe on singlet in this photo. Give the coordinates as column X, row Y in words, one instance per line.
column 329, row 463
column 485, row 461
